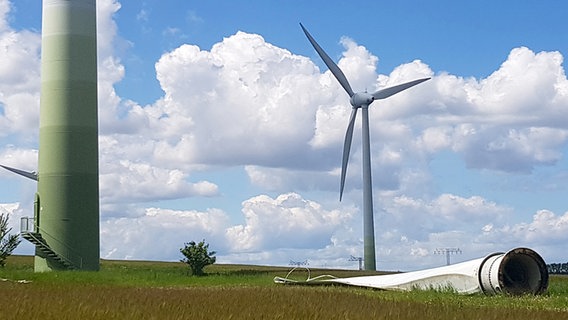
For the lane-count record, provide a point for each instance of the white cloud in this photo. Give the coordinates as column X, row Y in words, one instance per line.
column 547, row 233
column 25, row 159
column 280, row 179
column 245, row 102
column 19, row 79
column 524, row 83
column 14, row 212
column 289, row 221
column 5, row 7
column 131, row 181
column 445, row 213
column 289, row 227
column 359, row 66
column 237, row 104
column 106, row 28
column 160, row 233
column 545, row 228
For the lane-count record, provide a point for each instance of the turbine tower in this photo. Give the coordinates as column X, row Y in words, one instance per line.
column 360, row 100
column 66, row 207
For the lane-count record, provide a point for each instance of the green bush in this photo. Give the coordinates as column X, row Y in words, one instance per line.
column 197, row 256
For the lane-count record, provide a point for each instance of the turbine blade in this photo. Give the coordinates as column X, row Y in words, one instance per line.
column 32, row 175
column 346, row 150
column 387, row 92
column 339, row 75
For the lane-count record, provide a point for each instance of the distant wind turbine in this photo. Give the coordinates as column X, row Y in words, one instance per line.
column 360, row 100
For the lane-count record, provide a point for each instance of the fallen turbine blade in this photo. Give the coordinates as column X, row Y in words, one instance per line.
column 346, row 150
column 387, row 92
column 518, row 272
column 339, row 75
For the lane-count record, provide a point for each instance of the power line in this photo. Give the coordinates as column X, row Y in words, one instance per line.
column 299, row 263
column 447, row 252
column 360, row 259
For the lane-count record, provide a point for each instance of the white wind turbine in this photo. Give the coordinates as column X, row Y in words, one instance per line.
column 360, row 100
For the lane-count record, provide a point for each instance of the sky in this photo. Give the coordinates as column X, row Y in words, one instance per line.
column 219, row 122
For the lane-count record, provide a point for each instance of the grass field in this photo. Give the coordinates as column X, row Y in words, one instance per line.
column 163, row 290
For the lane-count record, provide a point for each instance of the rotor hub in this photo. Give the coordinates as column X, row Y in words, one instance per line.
column 360, row 99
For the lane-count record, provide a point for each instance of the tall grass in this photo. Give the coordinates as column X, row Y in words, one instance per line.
column 158, row 290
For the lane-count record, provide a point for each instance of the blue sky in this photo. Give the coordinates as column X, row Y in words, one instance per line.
column 218, row 121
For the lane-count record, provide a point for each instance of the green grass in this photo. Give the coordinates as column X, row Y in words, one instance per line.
column 163, row 290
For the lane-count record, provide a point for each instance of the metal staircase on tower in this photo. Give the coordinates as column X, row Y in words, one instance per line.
column 37, row 239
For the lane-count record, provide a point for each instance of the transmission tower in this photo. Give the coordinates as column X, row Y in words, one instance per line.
column 299, row 263
column 447, row 252
column 360, row 259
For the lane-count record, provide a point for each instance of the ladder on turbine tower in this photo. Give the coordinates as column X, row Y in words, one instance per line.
column 35, row 237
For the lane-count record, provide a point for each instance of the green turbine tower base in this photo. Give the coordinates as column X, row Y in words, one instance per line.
column 67, row 200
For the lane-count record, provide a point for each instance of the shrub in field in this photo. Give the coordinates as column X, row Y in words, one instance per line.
column 8, row 242
column 197, row 256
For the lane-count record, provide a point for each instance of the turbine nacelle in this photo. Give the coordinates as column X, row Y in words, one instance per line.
column 361, row 99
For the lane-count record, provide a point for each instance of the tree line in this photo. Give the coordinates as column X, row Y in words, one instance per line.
column 558, row 268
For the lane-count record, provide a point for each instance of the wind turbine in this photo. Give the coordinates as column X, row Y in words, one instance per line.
column 360, row 100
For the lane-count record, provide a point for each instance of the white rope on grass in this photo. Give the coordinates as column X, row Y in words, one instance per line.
column 286, row 280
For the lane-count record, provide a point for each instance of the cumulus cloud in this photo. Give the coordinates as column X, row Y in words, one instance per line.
column 289, row 221
column 159, row 233
column 545, row 228
column 247, row 102
column 19, row 79
column 243, row 102
column 409, row 227
column 512, row 120
column 24, row 159
column 130, row 181
column 524, row 84
column 4, row 10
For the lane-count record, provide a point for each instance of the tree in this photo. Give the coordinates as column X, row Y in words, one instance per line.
column 8, row 242
column 197, row 256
